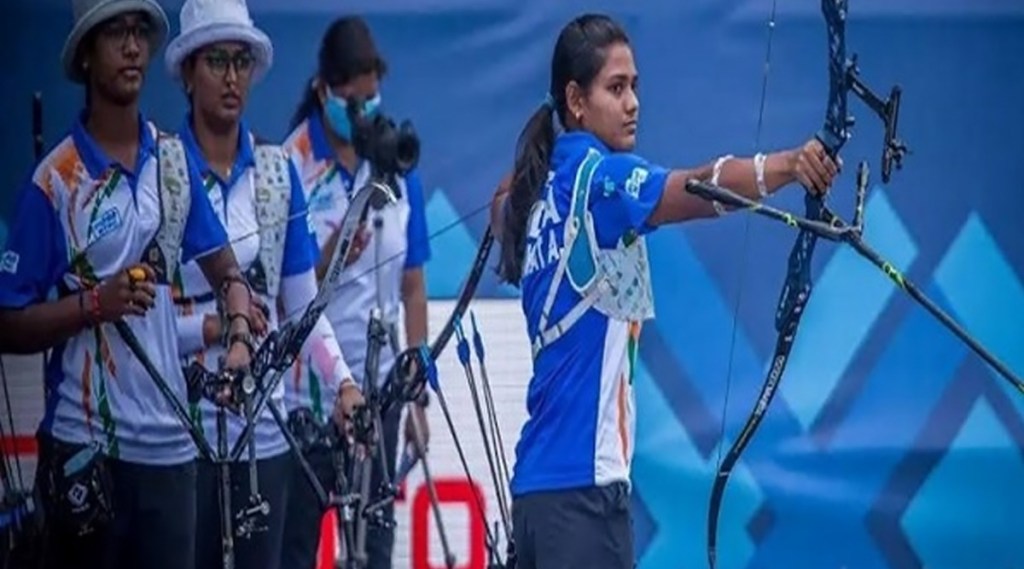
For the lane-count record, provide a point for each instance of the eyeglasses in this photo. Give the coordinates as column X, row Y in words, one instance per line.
column 120, row 31
column 218, row 62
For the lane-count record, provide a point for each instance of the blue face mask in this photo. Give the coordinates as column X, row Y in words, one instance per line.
column 336, row 112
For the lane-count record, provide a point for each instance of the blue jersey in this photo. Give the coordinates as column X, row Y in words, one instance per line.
column 579, row 432
column 83, row 218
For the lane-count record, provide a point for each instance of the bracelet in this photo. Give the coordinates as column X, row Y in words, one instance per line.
column 716, row 171
column 759, row 160
column 234, row 279
column 243, row 338
column 226, row 325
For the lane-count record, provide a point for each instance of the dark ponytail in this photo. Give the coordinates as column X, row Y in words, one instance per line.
column 533, row 156
column 578, row 58
column 347, row 51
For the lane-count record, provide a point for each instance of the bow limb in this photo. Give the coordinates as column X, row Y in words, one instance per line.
column 408, row 389
column 466, row 296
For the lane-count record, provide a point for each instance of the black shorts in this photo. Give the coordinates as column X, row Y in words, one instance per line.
column 153, row 521
column 589, row 528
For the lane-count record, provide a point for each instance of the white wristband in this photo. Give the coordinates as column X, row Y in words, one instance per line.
column 759, row 160
column 716, row 171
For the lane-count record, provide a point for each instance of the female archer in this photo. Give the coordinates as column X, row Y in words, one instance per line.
column 258, row 201
column 387, row 274
column 571, row 221
column 97, row 222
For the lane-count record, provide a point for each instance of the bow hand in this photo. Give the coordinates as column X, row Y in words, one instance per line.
column 814, row 168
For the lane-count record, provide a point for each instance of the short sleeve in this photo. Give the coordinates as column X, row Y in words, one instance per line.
column 298, row 251
column 35, row 255
column 624, row 192
column 204, row 233
column 418, row 240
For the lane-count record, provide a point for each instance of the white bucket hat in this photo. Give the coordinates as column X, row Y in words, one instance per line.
column 204, row 22
column 90, row 13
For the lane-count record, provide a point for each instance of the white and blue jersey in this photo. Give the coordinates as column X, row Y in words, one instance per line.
column 402, row 243
column 580, row 428
column 234, row 203
column 81, row 219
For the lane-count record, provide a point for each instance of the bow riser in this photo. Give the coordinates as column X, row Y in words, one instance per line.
column 836, row 130
column 844, row 77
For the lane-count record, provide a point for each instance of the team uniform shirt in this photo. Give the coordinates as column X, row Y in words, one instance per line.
column 401, row 243
column 83, row 218
column 580, row 428
column 233, row 201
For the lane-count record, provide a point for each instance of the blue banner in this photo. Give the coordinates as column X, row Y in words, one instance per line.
column 889, row 444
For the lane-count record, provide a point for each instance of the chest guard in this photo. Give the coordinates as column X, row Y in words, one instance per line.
column 272, row 198
column 163, row 253
column 615, row 282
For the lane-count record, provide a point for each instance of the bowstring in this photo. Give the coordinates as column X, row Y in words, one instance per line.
column 745, row 243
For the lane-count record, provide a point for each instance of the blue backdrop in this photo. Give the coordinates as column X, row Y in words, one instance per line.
column 889, row 444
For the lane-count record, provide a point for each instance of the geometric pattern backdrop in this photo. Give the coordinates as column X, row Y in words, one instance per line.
column 889, row 444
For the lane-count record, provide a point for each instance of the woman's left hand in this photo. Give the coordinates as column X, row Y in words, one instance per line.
column 813, row 167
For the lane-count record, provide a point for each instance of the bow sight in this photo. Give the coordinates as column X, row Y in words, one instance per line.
column 391, row 149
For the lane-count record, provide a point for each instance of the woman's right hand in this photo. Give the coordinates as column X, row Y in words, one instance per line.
column 129, row 292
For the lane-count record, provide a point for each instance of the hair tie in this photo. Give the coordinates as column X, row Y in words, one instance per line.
column 549, row 101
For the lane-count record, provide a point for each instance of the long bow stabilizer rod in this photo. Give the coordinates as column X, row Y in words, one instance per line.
column 835, row 229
